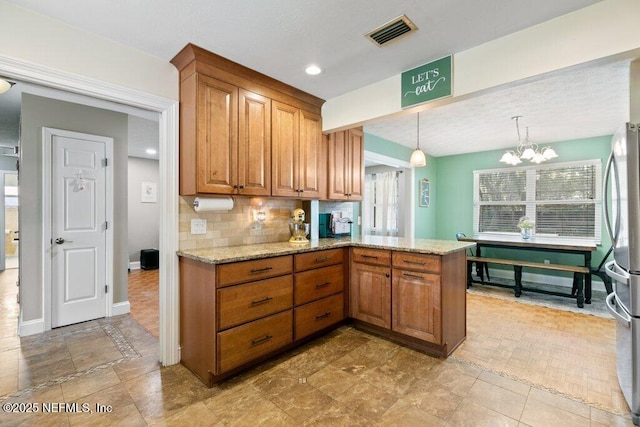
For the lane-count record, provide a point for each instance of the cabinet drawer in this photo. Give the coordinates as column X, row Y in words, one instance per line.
column 421, row 262
column 245, row 271
column 319, row 259
column 371, row 256
column 318, row 315
column 315, row 284
column 243, row 303
column 244, row 343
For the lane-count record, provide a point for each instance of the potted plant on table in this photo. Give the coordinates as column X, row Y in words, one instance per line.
column 526, row 226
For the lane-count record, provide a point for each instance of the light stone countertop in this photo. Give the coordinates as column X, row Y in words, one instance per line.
column 266, row 250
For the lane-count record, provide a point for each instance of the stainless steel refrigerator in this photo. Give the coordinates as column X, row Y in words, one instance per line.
column 622, row 219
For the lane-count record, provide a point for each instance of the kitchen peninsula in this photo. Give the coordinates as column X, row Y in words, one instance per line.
column 241, row 305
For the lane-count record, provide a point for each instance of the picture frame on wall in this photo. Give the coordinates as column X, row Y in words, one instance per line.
column 148, row 192
column 423, row 193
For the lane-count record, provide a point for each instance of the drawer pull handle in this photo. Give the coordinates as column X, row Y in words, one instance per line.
column 261, row 301
column 414, row 262
column 261, row 270
column 322, row 259
column 322, row 285
column 370, row 256
column 415, row 276
column 261, row 340
column 323, row 316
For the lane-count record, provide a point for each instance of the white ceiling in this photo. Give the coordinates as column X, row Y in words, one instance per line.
column 586, row 102
column 280, row 37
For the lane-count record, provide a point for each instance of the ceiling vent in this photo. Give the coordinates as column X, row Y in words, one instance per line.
column 392, row 30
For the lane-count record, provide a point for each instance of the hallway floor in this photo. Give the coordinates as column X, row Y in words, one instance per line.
column 344, row 378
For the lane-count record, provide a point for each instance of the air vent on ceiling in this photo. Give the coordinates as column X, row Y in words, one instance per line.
column 392, row 30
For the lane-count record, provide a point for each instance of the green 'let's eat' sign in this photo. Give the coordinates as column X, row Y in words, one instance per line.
column 427, row 82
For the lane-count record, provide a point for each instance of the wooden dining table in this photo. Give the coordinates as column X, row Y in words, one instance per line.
column 540, row 244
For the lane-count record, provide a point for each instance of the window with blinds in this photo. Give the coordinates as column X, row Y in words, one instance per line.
column 563, row 199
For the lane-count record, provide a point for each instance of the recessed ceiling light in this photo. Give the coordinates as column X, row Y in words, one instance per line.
column 313, row 70
column 151, row 151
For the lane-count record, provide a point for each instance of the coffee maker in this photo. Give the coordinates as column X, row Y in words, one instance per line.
column 332, row 226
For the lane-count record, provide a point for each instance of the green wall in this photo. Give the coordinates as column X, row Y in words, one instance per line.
column 451, row 178
column 454, row 180
column 425, row 218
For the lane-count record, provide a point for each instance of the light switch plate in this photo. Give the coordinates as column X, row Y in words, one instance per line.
column 198, row 226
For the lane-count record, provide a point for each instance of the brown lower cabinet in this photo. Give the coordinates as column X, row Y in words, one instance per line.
column 237, row 314
column 416, row 299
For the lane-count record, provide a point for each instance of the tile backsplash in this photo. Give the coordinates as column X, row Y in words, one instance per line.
column 237, row 226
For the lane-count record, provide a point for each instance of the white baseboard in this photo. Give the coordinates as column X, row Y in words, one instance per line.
column 566, row 282
column 119, row 308
column 134, row 265
column 30, row 327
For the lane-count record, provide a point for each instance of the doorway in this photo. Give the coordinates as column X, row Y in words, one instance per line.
column 9, row 205
column 99, row 93
column 405, row 192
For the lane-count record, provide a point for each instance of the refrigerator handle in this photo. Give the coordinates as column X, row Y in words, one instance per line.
column 621, row 317
column 607, row 220
column 612, row 271
column 613, row 233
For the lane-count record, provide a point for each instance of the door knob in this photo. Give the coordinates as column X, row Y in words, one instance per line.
column 60, row 241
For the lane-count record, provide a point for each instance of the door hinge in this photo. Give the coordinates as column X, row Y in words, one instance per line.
column 105, row 162
column 106, row 289
column 106, row 225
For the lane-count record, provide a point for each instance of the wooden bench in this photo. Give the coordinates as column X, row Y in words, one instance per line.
column 578, row 275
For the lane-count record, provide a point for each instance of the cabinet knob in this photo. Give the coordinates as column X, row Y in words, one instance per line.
column 388, row 275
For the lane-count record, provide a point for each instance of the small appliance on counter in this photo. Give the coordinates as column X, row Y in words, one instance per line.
column 298, row 229
column 334, row 225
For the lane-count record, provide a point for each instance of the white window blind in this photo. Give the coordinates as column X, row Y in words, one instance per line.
column 563, row 199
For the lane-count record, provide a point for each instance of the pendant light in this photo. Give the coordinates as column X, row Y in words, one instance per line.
column 418, row 159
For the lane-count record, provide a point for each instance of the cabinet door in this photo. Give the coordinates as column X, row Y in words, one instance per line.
column 217, row 136
column 254, row 144
column 338, row 166
column 313, row 157
column 355, row 173
column 285, row 136
column 416, row 305
column 370, row 297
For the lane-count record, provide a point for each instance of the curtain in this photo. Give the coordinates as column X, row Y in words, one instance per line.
column 381, row 204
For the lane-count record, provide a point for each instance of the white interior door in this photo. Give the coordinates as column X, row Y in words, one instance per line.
column 78, row 227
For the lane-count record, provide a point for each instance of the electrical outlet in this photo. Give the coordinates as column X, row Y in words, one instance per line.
column 198, row 226
column 546, row 261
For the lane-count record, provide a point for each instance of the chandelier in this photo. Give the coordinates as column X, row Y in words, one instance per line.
column 526, row 150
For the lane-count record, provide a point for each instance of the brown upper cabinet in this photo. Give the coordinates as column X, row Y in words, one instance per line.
column 298, row 153
column 346, row 169
column 233, row 126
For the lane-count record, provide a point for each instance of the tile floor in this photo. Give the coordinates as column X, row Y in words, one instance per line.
column 344, row 378
column 143, row 298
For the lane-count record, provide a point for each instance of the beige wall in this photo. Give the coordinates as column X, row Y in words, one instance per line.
column 604, row 30
column 38, row 112
column 38, row 39
column 144, row 218
column 236, row 227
